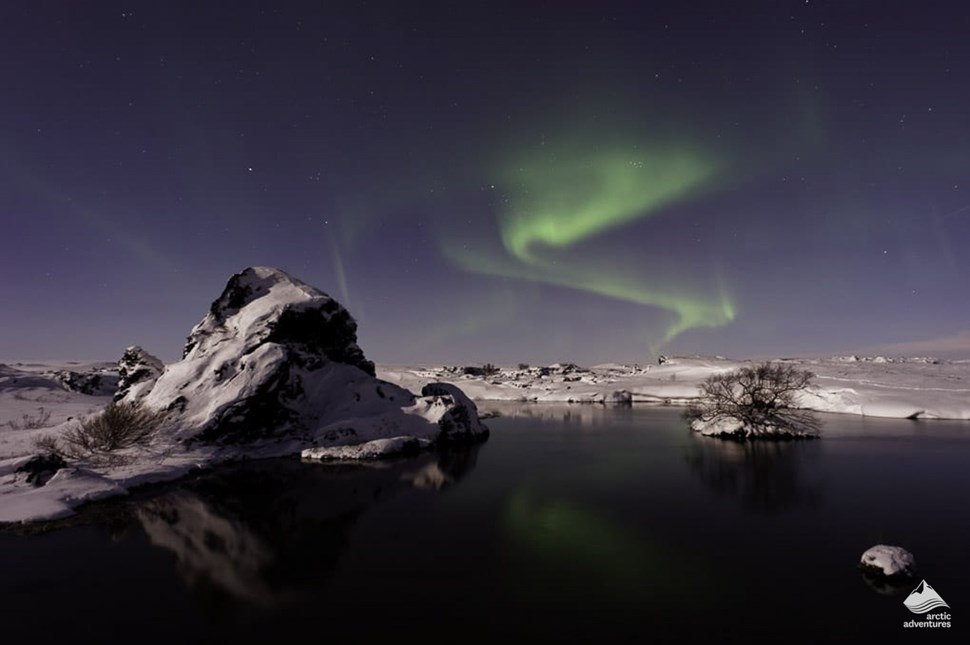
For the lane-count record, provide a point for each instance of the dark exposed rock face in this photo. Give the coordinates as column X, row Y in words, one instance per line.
column 40, row 468
column 90, row 383
column 329, row 330
column 137, row 367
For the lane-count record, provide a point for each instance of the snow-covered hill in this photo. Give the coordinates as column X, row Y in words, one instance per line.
column 273, row 369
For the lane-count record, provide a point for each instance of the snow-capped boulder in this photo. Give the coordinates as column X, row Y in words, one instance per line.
column 276, row 361
column 888, row 561
column 456, row 414
column 137, row 372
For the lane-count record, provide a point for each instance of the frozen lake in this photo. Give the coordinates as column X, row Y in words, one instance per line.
column 574, row 523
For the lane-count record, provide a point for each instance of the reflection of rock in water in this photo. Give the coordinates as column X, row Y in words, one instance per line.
column 261, row 531
column 768, row 476
column 209, row 547
column 583, row 415
column 888, row 587
column 452, row 463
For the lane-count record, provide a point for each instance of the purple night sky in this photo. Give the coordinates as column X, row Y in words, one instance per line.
column 501, row 181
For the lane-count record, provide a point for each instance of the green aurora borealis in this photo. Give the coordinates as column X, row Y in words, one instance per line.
column 491, row 182
column 577, row 189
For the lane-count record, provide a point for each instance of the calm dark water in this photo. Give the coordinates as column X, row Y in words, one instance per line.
column 573, row 524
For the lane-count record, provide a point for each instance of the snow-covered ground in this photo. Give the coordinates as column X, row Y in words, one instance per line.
column 272, row 369
column 38, row 399
column 923, row 388
column 35, row 402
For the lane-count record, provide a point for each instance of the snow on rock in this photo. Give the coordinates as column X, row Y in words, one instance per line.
column 888, row 561
column 55, row 383
column 99, row 383
column 455, row 413
column 137, row 372
column 272, row 369
column 277, row 360
column 69, row 487
column 368, row 450
column 265, row 305
column 248, row 365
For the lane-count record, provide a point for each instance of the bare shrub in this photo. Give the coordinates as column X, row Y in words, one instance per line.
column 32, row 422
column 488, row 369
column 118, row 426
column 48, row 445
column 762, row 400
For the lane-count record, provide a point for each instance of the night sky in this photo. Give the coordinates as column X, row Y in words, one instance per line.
column 501, row 181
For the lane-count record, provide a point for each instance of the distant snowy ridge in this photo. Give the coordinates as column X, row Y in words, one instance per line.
column 916, row 388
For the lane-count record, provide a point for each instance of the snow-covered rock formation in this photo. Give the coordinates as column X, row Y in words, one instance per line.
column 888, row 561
column 276, row 361
column 273, row 369
column 97, row 383
column 137, row 372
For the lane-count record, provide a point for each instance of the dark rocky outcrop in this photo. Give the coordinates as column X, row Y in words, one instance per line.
column 40, row 468
column 95, row 383
column 137, row 368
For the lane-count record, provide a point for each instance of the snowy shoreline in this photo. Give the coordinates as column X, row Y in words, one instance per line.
column 911, row 388
column 46, row 394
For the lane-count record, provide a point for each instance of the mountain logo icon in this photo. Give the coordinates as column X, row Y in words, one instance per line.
column 923, row 599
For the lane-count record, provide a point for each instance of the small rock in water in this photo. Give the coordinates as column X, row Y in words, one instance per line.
column 888, row 561
column 622, row 397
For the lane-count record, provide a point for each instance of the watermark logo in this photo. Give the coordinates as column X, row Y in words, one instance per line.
column 924, row 599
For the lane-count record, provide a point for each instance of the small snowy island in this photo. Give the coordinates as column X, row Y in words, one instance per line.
column 884, row 561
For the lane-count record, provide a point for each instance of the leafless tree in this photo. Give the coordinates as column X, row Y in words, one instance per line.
column 763, row 399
